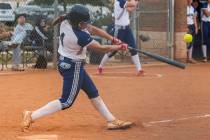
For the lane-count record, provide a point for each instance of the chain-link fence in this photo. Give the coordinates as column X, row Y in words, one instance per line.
column 155, row 21
column 33, row 43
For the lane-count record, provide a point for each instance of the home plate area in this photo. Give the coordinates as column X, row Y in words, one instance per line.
column 39, row 137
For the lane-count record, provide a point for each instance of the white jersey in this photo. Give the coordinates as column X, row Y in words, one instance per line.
column 121, row 14
column 20, row 33
column 73, row 42
column 204, row 17
column 191, row 13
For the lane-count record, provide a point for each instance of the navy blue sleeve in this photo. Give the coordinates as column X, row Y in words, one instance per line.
column 122, row 3
column 84, row 38
column 204, row 5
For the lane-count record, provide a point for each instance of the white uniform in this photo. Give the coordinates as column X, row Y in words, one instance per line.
column 123, row 32
column 205, row 29
column 204, row 17
column 73, row 42
column 121, row 14
column 191, row 13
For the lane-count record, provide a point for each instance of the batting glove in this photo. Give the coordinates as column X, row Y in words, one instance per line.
column 116, row 41
column 124, row 47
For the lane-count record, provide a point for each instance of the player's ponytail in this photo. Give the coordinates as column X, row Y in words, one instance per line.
column 59, row 19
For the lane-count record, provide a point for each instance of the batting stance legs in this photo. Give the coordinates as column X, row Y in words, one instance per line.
column 124, row 33
column 74, row 79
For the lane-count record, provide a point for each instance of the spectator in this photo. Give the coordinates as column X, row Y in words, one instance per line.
column 19, row 34
column 197, row 5
column 3, row 33
column 38, row 37
column 192, row 29
column 40, row 32
column 205, row 28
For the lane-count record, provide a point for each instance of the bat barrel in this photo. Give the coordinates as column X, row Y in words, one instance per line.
column 161, row 58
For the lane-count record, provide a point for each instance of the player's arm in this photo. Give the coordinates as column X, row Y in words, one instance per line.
column 131, row 5
column 106, row 48
column 204, row 8
column 85, row 40
column 99, row 32
column 196, row 23
column 206, row 12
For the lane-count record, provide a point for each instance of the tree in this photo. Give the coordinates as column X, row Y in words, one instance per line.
column 101, row 19
column 107, row 3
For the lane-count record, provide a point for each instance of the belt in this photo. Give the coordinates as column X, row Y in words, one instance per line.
column 122, row 27
column 66, row 59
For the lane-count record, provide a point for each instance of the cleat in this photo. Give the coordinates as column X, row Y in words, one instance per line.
column 27, row 120
column 118, row 124
column 141, row 73
column 192, row 61
column 205, row 60
column 100, row 70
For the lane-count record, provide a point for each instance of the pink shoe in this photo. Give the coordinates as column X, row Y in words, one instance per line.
column 141, row 73
column 100, row 70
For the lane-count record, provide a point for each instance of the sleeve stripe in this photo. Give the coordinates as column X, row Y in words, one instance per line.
column 90, row 43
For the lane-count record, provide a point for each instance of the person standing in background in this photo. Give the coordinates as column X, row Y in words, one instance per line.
column 19, row 34
column 123, row 32
column 192, row 29
column 205, row 28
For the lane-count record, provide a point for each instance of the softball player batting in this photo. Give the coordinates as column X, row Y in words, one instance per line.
column 123, row 32
column 74, row 41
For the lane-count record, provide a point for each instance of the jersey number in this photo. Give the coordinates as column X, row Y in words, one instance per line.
column 62, row 38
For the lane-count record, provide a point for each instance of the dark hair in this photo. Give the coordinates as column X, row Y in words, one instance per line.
column 59, row 19
column 39, row 20
column 21, row 15
column 77, row 14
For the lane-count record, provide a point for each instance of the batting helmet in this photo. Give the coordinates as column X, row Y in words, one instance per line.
column 78, row 14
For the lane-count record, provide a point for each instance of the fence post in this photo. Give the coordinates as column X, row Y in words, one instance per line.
column 170, row 39
column 134, row 23
column 55, row 36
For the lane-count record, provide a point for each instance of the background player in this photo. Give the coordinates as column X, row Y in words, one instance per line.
column 123, row 32
column 205, row 28
column 192, row 28
column 74, row 41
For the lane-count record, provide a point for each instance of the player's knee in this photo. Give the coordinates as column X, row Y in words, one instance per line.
column 66, row 103
column 93, row 94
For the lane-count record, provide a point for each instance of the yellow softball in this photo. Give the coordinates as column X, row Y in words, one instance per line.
column 188, row 38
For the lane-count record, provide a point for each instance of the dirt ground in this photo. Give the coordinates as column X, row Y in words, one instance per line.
column 165, row 93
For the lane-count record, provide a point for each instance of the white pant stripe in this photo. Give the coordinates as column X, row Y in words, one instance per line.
column 74, row 85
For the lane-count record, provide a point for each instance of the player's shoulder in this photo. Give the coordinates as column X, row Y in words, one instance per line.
column 64, row 24
column 193, row 8
column 204, row 5
column 81, row 34
column 83, row 37
column 120, row 3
